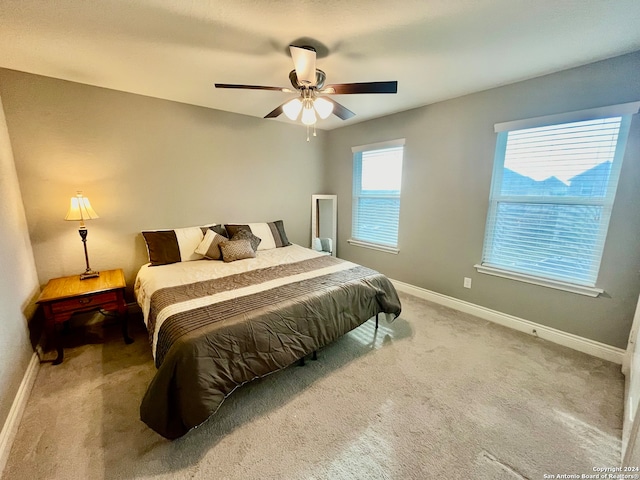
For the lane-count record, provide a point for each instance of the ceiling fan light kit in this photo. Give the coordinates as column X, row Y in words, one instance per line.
column 309, row 106
column 308, row 81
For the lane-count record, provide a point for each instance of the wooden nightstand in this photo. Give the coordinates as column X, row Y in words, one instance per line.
column 62, row 297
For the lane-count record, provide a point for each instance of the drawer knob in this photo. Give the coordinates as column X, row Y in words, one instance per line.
column 84, row 301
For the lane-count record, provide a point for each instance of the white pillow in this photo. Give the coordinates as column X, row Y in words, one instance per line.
column 209, row 247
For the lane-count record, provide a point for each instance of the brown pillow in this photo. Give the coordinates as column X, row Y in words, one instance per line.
column 232, row 229
column 236, row 250
column 172, row 246
column 162, row 247
column 247, row 235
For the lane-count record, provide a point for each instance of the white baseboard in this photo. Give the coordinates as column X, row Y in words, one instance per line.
column 581, row 344
column 8, row 434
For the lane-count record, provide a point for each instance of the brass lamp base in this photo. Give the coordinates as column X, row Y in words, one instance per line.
column 89, row 274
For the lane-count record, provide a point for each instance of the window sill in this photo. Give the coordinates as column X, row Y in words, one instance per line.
column 544, row 282
column 373, row 246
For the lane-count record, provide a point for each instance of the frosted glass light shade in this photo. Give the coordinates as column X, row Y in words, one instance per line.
column 308, row 115
column 80, row 209
column 323, row 106
column 292, row 108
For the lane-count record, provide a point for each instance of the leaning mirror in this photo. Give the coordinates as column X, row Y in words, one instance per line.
column 324, row 221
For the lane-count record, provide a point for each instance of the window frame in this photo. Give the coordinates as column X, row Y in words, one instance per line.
column 356, row 195
column 625, row 111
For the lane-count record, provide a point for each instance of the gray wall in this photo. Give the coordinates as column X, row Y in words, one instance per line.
column 145, row 164
column 446, row 178
column 18, row 281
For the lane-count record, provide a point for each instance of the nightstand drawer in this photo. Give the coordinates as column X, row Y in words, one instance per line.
column 88, row 302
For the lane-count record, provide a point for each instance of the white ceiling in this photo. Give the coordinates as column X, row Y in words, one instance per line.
column 435, row 49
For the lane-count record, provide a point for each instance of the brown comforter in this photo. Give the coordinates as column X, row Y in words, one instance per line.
column 204, row 353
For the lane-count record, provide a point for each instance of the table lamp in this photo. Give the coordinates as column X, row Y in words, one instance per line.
column 80, row 210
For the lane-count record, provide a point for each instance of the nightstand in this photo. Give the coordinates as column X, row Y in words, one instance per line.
column 63, row 297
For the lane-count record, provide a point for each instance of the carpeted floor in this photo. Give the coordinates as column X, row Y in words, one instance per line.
column 436, row 394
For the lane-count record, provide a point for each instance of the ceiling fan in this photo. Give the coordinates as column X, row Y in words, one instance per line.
column 308, row 81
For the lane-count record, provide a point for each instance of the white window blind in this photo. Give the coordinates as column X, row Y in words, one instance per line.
column 551, row 198
column 377, row 179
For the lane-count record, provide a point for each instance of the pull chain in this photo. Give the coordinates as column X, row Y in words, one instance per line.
column 307, row 133
column 314, row 130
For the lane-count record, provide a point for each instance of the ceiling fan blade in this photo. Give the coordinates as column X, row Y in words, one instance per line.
column 365, row 87
column 252, row 87
column 339, row 110
column 276, row 112
column 304, row 61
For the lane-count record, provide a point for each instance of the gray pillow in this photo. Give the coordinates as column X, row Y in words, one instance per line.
column 247, row 235
column 218, row 228
column 236, row 250
column 272, row 233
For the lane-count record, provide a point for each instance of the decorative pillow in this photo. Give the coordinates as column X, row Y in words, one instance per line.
column 209, row 245
column 236, row 250
column 271, row 233
column 247, row 235
column 172, row 246
column 233, row 229
column 219, row 229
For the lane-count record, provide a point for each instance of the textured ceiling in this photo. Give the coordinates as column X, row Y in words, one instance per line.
column 436, row 49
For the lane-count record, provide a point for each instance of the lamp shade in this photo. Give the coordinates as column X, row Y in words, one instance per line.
column 323, row 106
column 308, row 115
column 292, row 108
column 80, row 209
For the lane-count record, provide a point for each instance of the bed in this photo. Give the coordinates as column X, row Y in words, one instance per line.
column 214, row 326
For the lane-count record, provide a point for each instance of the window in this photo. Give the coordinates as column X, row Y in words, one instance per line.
column 554, row 182
column 377, row 179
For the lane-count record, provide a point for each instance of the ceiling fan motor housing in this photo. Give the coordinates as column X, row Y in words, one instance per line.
column 320, row 78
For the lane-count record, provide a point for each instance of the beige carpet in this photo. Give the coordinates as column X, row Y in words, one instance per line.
column 436, row 394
